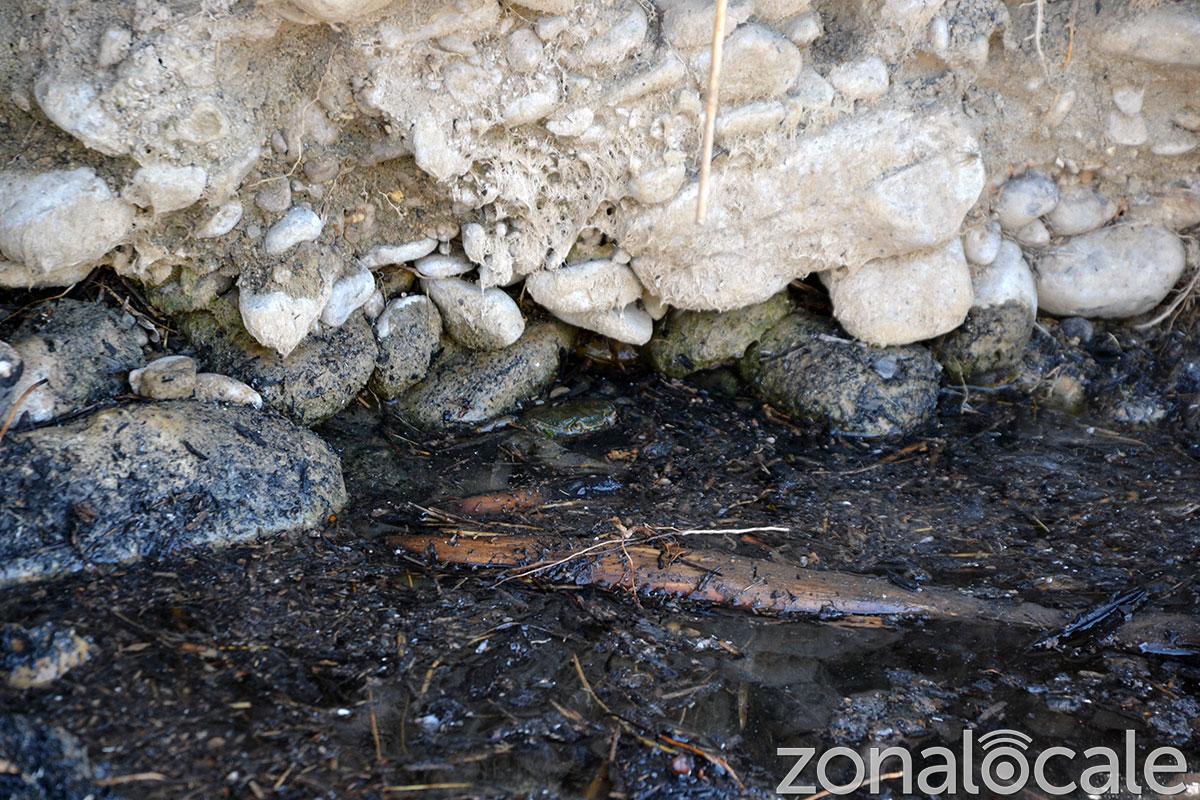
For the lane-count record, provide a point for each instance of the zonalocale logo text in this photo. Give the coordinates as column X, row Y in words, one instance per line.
column 1000, row 762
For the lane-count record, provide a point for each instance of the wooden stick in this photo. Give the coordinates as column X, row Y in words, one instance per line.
column 710, row 109
column 719, row 578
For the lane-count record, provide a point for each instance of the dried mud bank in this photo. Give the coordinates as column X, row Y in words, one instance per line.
column 328, row 194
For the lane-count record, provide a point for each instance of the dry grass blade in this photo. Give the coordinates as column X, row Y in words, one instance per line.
column 16, row 407
column 710, row 110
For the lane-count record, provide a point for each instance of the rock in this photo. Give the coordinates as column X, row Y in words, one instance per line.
column 73, row 104
column 905, row 299
column 615, row 44
column 335, row 11
column 1166, row 34
column 1033, row 235
column 481, row 319
column 689, row 341
column 350, row 293
column 165, row 188
column 83, row 352
column 864, row 79
column 658, row 185
column 801, row 366
column 11, row 365
column 572, row 419
column 598, row 285
column 374, row 305
column 631, row 324
column 46, row 763
column 524, row 50
column 316, row 380
column 388, row 254
column 222, row 221
column 1080, row 329
column 1128, row 100
column 688, row 24
column 439, row 266
column 876, row 185
column 991, row 342
column 471, row 386
column 804, row 29
column 275, row 197
column 409, row 332
column 1025, row 198
column 1127, row 129
column 57, row 225
column 166, row 378
column 981, row 244
column 301, row 224
column 31, row 658
column 214, row 388
column 1112, row 273
column 758, row 63
column 1175, row 207
column 531, row 107
column 148, row 480
column 1080, row 209
column 277, row 319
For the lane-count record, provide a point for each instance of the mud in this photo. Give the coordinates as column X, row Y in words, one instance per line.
column 328, row 665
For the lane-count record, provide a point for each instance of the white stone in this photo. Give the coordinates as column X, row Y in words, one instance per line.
column 813, row 93
column 1062, row 105
column 631, row 324
column 1008, row 279
column 222, row 221
column 1166, row 34
column 350, row 293
column 939, row 35
column 616, row 44
column 301, row 224
column 74, row 106
column 1128, row 99
column 981, row 243
column 1113, row 273
column 433, row 151
column 58, row 223
column 688, row 24
column 599, row 285
column 758, row 63
column 481, row 319
column 1187, row 118
column 440, row 266
column 749, row 120
column 1025, row 198
column 334, row 11
column 657, row 185
column 805, row 29
column 572, row 123
column 166, row 378
column 114, row 44
column 524, row 50
column 1080, row 209
column 166, row 188
column 1127, row 130
column 550, row 28
column 387, row 254
column 1033, row 235
column 397, row 309
column 531, row 107
column 277, row 320
column 1175, row 143
column 905, row 299
column 654, row 306
column 864, row 79
column 374, row 305
column 214, row 388
column 776, row 11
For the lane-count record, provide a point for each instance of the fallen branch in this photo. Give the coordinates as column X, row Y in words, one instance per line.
column 665, row 568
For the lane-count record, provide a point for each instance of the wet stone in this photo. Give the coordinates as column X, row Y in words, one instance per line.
column 989, row 346
column 46, row 763
column 690, row 341
column 31, row 658
column 148, row 480
column 802, row 366
column 571, row 419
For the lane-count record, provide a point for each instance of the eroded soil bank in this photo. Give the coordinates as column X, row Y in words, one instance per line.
column 329, row 664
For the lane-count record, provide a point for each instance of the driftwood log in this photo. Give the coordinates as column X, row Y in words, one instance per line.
column 665, row 568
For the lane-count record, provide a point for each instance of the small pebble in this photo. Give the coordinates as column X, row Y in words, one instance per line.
column 1025, row 198
column 212, row 387
column 166, row 378
column 301, row 224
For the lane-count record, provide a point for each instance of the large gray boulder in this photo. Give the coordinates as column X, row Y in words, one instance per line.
column 146, row 481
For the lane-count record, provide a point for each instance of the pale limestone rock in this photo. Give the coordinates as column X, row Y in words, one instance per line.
column 221, row 221
column 1007, row 279
column 599, row 285
column 440, row 266
column 1025, row 198
column 1113, row 273
column 864, row 79
column 904, row 299
column 165, row 188
column 387, row 254
column 615, row 44
column 166, row 378
column 631, row 324
column 278, row 320
column 477, row 318
column 73, row 105
column 335, row 11
column 981, row 243
column 1128, row 130
column 1167, row 34
column 1080, row 209
column 214, row 388
column 758, row 63
column 805, row 29
column 350, row 293
column 524, row 50
column 657, row 185
column 301, row 224
column 1033, row 235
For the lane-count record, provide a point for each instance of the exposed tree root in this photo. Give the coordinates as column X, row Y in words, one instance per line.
column 717, row 578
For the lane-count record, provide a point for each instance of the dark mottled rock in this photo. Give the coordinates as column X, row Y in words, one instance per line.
column 469, row 386
column 989, row 346
column 46, row 763
column 83, row 351
column 34, row 657
column 803, row 366
column 409, row 333
column 688, row 341
column 316, row 380
column 567, row 420
column 148, row 480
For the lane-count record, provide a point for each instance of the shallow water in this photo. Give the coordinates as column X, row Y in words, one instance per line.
column 331, row 664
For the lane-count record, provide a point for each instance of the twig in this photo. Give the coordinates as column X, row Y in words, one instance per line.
column 710, row 109
column 137, row 777
column 588, row 688
column 887, row 776
column 12, row 413
column 1175, row 304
